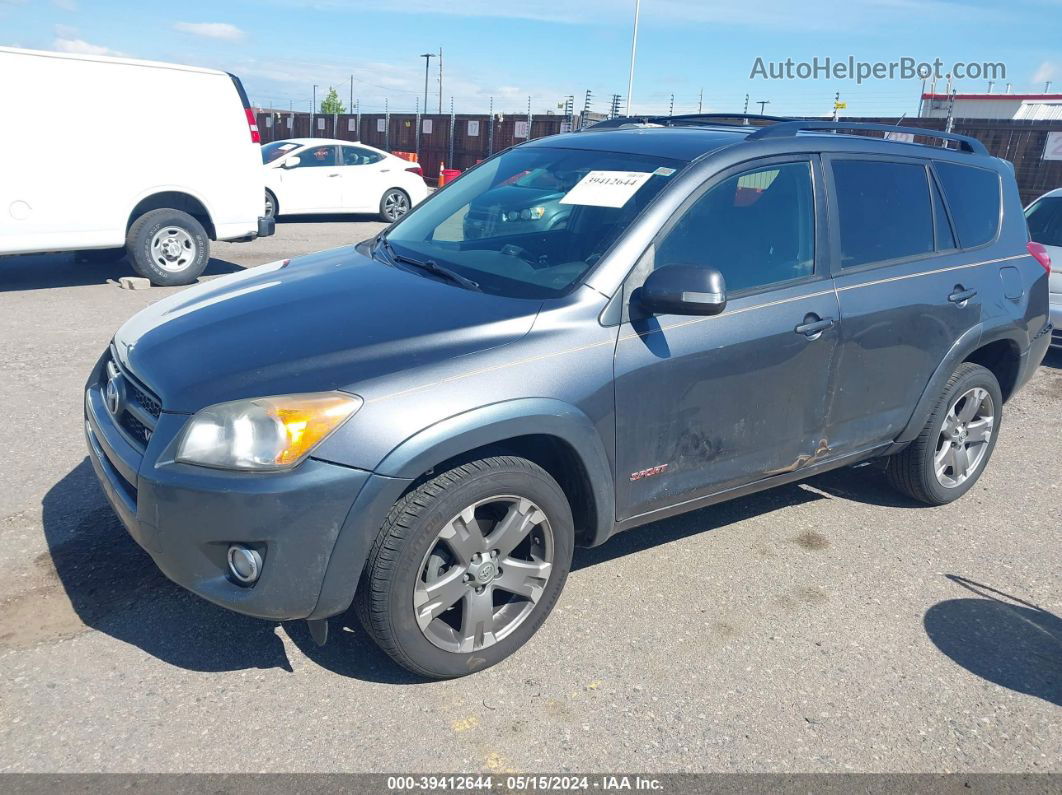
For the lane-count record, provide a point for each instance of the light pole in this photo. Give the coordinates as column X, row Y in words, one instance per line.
column 634, row 49
column 427, row 56
column 763, row 103
column 313, row 109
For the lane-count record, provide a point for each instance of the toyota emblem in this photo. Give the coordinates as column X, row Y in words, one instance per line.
column 113, row 394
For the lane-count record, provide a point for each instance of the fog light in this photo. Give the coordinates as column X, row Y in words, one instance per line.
column 245, row 564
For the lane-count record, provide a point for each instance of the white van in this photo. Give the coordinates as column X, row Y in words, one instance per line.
column 112, row 156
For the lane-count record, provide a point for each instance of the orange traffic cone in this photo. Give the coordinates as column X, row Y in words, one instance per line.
column 442, row 173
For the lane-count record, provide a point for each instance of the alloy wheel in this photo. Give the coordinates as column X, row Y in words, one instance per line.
column 396, row 204
column 484, row 574
column 964, row 437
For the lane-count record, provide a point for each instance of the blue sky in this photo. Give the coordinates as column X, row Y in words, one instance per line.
column 546, row 49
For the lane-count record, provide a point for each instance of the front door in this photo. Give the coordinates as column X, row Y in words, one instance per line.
column 705, row 404
column 315, row 184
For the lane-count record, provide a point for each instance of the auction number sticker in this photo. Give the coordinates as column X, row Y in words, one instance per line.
column 606, row 188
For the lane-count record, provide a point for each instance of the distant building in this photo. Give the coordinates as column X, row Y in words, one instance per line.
column 993, row 106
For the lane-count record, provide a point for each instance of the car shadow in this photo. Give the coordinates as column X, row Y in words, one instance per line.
column 327, row 218
column 44, row 271
column 1000, row 638
column 1053, row 359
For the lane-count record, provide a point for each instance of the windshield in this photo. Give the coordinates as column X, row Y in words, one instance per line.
column 532, row 221
column 277, row 149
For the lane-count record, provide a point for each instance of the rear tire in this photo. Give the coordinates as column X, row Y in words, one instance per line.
column 169, row 247
column 394, row 204
column 467, row 567
column 951, row 452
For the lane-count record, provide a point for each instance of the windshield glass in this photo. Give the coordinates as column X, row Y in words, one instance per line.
column 277, row 149
column 532, row 221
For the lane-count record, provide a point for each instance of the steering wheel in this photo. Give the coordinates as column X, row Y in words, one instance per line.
column 513, row 250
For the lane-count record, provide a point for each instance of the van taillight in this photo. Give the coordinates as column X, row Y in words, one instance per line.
column 416, row 170
column 252, row 122
column 1040, row 254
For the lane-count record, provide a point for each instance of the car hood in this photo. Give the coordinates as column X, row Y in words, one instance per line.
column 331, row 320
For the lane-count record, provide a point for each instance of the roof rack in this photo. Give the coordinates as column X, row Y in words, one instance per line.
column 788, row 128
column 683, row 120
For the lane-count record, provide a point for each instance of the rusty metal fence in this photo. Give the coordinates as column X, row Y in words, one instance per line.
column 462, row 140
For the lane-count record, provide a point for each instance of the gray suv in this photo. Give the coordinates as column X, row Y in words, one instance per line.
column 426, row 424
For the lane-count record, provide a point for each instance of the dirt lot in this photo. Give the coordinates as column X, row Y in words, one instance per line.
column 827, row 626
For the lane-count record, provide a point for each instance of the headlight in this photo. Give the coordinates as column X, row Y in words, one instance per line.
column 527, row 214
column 264, row 433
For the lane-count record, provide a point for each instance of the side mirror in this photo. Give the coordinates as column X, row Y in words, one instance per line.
column 291, row 161
column 682, row 290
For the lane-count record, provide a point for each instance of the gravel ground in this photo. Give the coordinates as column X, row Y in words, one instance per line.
column 826, row 626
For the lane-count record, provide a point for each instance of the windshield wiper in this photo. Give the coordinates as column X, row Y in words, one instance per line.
column 429, row 265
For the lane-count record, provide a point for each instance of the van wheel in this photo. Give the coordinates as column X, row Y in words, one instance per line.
column 394, row 204
column 169, row 247
column 952, row 451
column 271, row 205
column 467, row 567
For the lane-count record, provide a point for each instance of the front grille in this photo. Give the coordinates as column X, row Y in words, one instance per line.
column 138, row 410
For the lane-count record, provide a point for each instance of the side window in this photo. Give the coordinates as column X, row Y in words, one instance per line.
column 756, row 228
column 973, row 195
column 945, row 235
column 317, row 156
column 1045, row 221
column 356, row 156
column 884, row 210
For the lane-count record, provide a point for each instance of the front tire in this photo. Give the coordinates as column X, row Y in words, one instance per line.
column 467, row 567
column 168, row 247
column 394, row 204
column 271, row 205
column 951, row 452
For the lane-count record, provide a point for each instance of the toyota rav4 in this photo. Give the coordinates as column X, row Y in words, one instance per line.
column 428, row 423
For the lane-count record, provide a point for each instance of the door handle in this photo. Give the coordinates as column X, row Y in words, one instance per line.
column 960, row 296
column 812, row 327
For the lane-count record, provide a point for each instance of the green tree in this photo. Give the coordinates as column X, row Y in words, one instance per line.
column 331, row 103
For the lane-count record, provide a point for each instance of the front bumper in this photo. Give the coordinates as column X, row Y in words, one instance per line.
column 186, row 517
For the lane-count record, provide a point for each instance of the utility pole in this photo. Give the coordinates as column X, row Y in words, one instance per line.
column 951, row 119
column 836, row 104
column 569, row 110
column 350, row 107
column 634, row 50
column 762, row 103
column 490, row 129
column 313, row 108
column 528, row 118
column 700, row 102
column 613, row 108
column 1047, row 87
column 586, row 108
column 671, row 107
column 427, row 60
column 440, row 81
column 990, row 84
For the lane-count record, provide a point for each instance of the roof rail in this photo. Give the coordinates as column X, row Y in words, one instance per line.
column 786, row 129
column 682, row 120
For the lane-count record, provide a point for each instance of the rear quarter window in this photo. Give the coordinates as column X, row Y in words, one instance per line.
column 1045, row 221
column 973, row 196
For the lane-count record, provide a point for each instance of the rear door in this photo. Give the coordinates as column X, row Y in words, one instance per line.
column 315, row 185
column 907, row 292
column 704, row 404
column 362, row 178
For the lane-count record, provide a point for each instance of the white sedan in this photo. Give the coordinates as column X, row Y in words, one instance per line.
column 323, row 175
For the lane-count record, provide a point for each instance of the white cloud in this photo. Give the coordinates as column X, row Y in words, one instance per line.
column 1047, row 71
column 82, row 47
column 211, row 30
column 66, row 5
